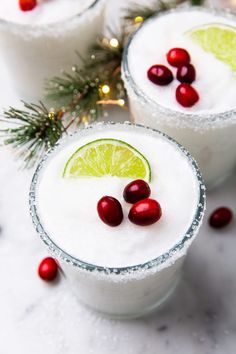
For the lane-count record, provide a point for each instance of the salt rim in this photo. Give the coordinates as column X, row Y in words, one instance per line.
column 139, row 270
column 197, row 121
column 53, row 29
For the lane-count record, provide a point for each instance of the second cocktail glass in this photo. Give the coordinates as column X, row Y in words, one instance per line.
column 208, row 135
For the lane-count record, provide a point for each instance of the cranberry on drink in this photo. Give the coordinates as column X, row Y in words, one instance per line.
column 186, row 95
column 160, row 75
column 220, row 217
column 48, row 269
column 145, row 212
column 186, row 73
column 110, row 211
column 178, row 56
column 136, row 190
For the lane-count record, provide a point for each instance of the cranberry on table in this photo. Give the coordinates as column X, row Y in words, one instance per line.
column 110, row 211
column 186, row 73
column 178, row 56
column 48, row 269
column 186, row 95
column 27, row 5
column 145, row 212
column 220, row 217
column 160, row 75
column 136, row 190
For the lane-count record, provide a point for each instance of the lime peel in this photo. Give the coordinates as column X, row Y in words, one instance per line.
column 107, row 157
column 217, row 39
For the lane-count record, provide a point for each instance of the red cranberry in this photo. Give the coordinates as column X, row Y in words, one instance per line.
column 110, row 211
column 145, row 212
column 178, row 56
column 220, row 217
column 186, row 73
column 186, row 95
column 48, row 269
column 27, row 5
column 136, row 190
column 160, row 75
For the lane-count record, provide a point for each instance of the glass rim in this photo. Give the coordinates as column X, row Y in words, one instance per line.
column 22, row 26
column 58, row 252
column 207, row 117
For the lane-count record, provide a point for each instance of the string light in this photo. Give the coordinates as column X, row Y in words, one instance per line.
column 85, row 120
column 121, row 102
column 61, row 112
column 51, row 115
column 106, row 89
column 138, row 19
column 114, row 43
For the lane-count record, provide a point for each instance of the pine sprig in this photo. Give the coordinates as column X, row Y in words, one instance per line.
column 80, row 91
column 31, row 131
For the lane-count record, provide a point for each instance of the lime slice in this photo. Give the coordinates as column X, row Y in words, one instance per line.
column 108, row 157
column 218, row 39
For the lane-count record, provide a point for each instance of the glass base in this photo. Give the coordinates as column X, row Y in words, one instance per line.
column 144, row 312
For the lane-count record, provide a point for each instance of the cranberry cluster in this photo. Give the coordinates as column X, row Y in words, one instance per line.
column 145, row 211
column 159, row 74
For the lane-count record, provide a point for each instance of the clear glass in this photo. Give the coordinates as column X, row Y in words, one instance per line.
column 35, row 53
column 210, row 138
column 128, row 291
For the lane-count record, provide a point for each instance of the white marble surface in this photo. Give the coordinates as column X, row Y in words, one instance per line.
column 37, row 318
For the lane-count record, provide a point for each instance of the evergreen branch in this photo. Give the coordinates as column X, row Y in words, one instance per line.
column 37, row 130
column 71, row 88
column 78, row 92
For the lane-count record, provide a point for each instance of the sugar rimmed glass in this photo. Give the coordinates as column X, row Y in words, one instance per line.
column 128, row 291
column 210, row 138
column 33, row 53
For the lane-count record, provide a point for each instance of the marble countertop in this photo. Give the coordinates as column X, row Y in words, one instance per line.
column 37, row 318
